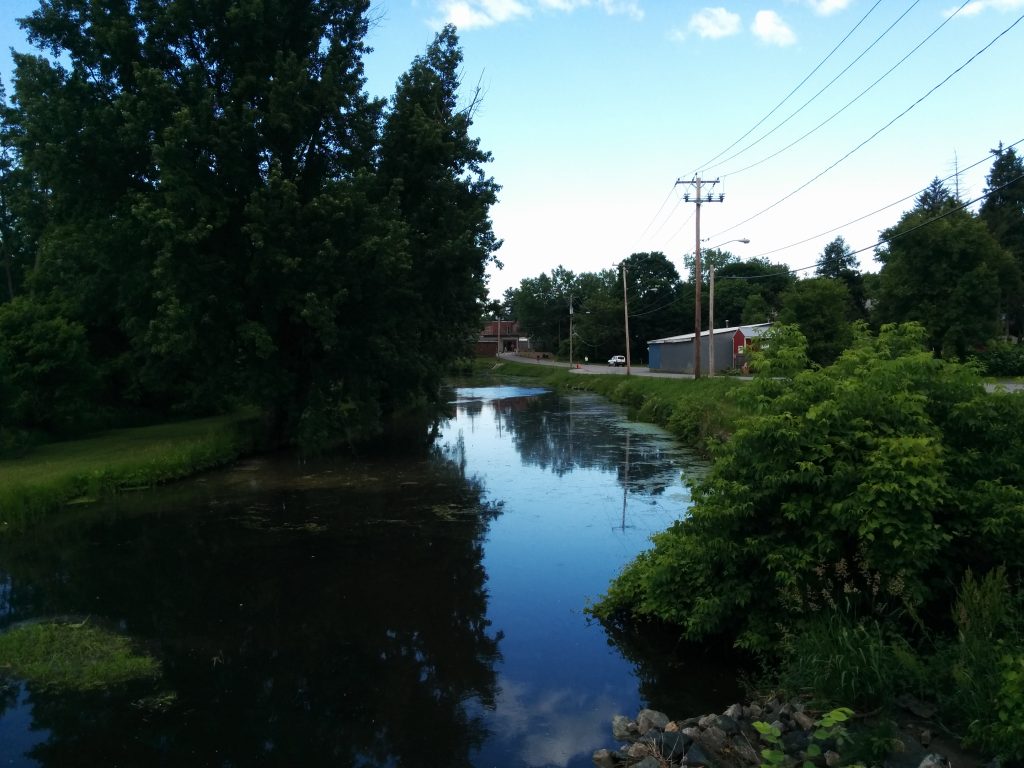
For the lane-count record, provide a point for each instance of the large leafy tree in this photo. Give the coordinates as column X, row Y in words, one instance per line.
column 1003, row 212
column 541, row 305
column 750, row 291
column 942, row 267
column 819, row 307
column 225, row 218
column 654, row 292
column 433, row 169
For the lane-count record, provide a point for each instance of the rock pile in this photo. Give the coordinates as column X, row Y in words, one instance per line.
column 730, row 740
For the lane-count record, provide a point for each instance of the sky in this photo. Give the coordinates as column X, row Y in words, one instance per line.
column 817, row 118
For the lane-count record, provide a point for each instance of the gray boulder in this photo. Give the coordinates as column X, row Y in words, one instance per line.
column 651, row 718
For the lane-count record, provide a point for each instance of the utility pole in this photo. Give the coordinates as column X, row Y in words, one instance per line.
column 711, row 318
column 625, row 312
column 698, row 277
column 570, row 331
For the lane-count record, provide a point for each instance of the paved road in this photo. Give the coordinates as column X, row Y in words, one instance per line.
column 639, row 370
column 592, row 368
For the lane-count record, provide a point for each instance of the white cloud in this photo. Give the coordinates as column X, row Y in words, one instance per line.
column 769, row 27
column 564, row 5
column 712, row 23
column 979, row 6
column 629, row 8
column 828, row 7
column 470, row 14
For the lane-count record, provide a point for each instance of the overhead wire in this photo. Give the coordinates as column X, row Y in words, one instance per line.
column 797, row 88
column 656, row 215
column 884, row 240
column 850, row 103
column 879, row 210
column 815, row 96
column 876, row 133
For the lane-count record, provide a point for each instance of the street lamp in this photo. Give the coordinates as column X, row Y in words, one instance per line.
column 711, row 304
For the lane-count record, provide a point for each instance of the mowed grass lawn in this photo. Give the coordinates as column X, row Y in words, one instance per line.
column 54, row 474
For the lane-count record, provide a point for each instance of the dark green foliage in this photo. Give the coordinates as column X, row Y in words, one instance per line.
column 1003, row 213
column 839, row 263
column 230, row 218
column 821, row 309
column 46, row 377
column 655, row 298
column 1002, row 358
column 943, row 269
column 889, row 465
column 750, row 291
column 841, row 658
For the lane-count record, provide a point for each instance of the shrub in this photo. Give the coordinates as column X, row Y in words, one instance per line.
column 889, row 460
column 1002, row 358
column 47, row 379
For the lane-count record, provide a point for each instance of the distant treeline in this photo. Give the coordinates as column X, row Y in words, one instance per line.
column 958, row 273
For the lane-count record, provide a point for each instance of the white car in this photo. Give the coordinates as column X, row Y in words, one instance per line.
column 617, row 360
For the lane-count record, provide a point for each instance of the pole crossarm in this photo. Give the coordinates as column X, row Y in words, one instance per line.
column 697, row 197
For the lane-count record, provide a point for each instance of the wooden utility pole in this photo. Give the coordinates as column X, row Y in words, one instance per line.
column 698, row 197
column 625, row 312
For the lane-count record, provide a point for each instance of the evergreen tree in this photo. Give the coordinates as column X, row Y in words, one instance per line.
column 838, row 262
column 935, row 198
column 1003, row 212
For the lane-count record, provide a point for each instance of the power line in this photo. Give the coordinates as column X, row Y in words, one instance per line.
column 884, row 240
column 827, row 86
column 797, row 88
column 876, row 133
column 878, row 210
column 656, row 215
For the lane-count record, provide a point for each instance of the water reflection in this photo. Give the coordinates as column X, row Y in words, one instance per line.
column 421, row 606
column 340, row 623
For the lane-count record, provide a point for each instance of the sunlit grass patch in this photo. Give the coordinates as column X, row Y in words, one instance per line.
column 86, row 470
column 69, row 656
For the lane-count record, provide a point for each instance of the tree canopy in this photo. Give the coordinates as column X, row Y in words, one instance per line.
column 207, row 192
column 943, row 268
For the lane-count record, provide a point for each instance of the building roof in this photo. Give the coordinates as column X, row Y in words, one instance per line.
column 750, row 331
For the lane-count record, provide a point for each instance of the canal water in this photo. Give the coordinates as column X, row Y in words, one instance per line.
column 421, row 606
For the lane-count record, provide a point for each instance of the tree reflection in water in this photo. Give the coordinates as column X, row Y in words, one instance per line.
column 563, row 434
column 331, row 613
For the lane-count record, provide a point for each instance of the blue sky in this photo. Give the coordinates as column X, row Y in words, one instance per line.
column 594, row 108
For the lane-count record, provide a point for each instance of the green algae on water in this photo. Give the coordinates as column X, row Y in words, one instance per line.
column 78, row 657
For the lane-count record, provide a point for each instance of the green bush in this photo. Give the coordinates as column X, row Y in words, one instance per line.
column 891, row 461
column 1002, row 358
column 47, row 380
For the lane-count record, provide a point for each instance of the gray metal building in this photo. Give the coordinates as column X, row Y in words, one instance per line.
column 674, row 354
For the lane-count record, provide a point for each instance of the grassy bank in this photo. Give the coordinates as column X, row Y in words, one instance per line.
column 698, row 412
column 82, row 471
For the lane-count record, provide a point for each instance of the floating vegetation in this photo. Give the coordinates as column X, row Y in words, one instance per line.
column 77, row 657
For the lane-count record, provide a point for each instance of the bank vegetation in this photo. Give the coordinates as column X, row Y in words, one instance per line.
column 861, row 533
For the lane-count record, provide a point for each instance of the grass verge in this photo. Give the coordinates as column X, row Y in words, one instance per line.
column 82, row 471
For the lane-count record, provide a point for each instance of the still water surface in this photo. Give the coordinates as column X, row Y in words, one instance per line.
column 420, row 607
